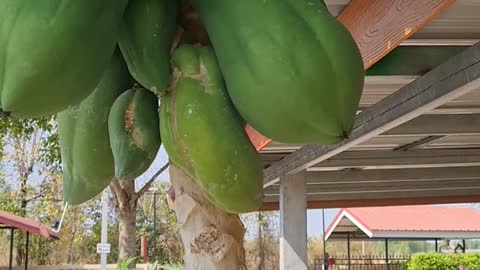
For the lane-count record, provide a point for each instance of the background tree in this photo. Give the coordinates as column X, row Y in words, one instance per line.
column 29, row 149
column 261, row 245
column 125, row 201
column 168, row 247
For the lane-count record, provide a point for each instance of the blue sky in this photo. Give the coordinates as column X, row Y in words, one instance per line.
column 314, row 220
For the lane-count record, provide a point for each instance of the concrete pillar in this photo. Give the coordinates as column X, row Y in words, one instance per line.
column 293, row 222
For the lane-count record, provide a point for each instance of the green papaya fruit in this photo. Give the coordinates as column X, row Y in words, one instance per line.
column 88, row 165
column 146, row 38
column 293, row 72
column 53, row 52
column 133, row 126
column 204, row 134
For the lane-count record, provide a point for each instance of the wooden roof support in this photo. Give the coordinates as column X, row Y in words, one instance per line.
column 378, row 27
column 456, row 77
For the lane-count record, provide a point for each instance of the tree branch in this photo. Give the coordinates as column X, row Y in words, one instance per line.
column 34, row 198
column 151, row 180
column 117, row 192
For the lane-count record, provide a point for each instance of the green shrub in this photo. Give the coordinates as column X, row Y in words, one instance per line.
column 439, row 261
column 172, row 267
column 126, row 263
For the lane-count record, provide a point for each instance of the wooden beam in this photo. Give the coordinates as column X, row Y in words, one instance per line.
column 273, row 206
column 378, row 27
column 456, row 77
column 293, row 222
column 401, row 159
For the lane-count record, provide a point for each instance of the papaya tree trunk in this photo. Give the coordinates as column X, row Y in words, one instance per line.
column 212, row 238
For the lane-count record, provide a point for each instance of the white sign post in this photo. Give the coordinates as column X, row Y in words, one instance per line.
column 104, row 248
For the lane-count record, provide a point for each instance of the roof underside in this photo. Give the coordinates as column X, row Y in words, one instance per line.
column 406, row 223
column 434, row 155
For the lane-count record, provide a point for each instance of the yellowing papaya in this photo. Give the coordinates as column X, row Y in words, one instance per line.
column 203, row 133
column 146, row 38
column 134, row 131
column 293, row 72
column 53, row 52
column 88, row 165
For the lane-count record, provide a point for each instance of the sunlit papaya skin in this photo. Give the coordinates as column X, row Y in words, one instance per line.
column 204, row 134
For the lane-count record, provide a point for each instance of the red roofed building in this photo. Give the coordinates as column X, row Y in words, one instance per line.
column 26, row 225
column 406, row 222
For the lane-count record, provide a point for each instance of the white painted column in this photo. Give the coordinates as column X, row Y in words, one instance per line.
column 293, row 222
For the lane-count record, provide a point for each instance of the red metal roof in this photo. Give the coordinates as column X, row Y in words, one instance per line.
column 26, row 225
column 402, row 220
column 418, row 218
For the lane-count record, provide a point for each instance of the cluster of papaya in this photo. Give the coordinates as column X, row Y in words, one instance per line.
column 285, row 67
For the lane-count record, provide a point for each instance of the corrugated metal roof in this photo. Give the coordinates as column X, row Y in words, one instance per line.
column 26, row 225
column 418, row 218
column 407, row 222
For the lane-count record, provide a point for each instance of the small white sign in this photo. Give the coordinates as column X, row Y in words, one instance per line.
column 103, row 248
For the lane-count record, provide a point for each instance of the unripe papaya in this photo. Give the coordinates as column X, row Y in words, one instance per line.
column 134, row 131
column 53, row 52
column 291, row 69
column 87, row 159
column 146, row 38
column 204, row 134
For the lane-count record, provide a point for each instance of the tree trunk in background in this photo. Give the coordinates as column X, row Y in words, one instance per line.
column 126, row 206
column 23, row 213
column 213, row 239
column 126, row 236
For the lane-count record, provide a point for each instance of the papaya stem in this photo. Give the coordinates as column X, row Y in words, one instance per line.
column 4, row 114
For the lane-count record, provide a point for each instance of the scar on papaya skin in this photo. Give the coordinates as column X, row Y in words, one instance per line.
column 172, row 84
column 201, row 77
column 129, row 118
column 137, row 138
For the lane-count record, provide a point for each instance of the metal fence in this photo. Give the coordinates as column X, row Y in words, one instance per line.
column 71, row 267
column 361, row 263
